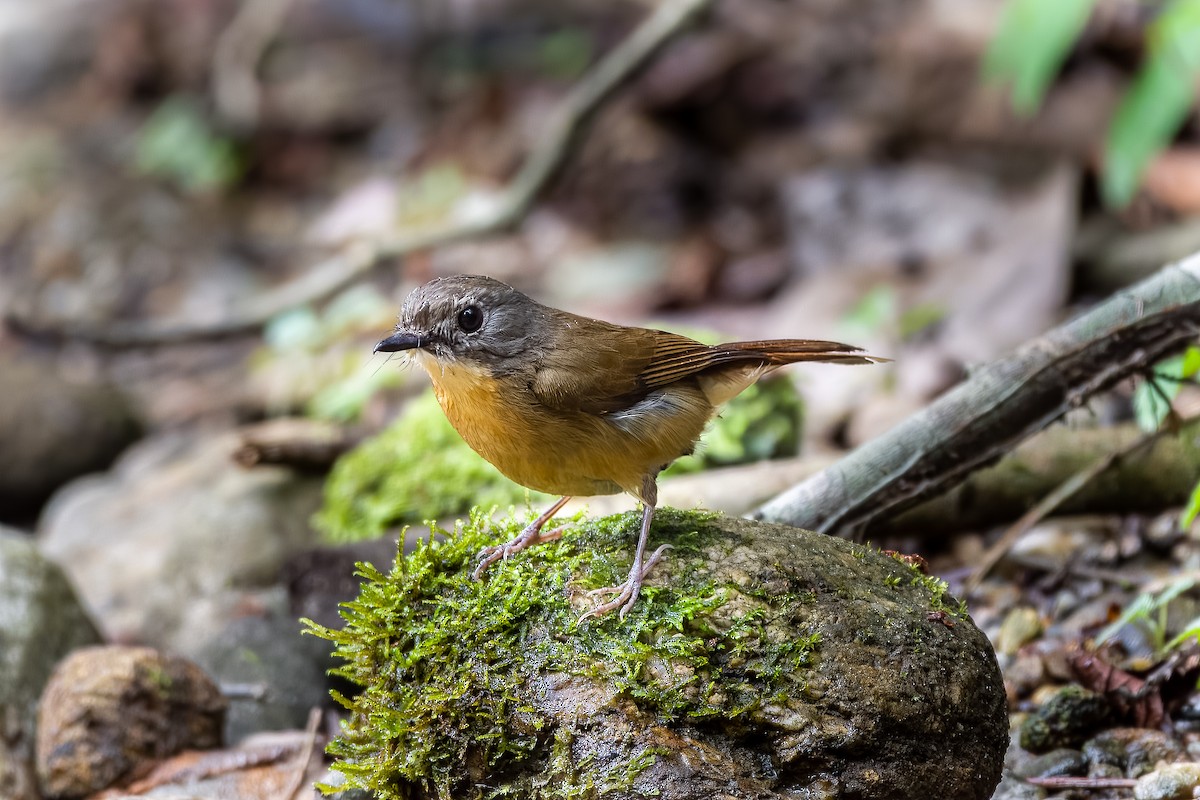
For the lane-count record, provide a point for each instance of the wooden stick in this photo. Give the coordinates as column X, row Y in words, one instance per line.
column 999, row 405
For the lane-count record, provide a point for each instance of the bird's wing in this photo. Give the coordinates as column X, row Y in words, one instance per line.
column 624, row 364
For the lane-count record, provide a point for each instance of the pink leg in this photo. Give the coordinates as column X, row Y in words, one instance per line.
column 627, row 593
column 530, row 536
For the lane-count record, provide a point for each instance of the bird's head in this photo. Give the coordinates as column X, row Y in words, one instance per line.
column 471, row 319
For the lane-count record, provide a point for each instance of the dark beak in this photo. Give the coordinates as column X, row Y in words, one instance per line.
column 397, row 342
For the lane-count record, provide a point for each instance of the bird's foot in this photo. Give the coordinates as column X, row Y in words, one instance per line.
column 627, row 592
column 532, row 535
column 528, row 538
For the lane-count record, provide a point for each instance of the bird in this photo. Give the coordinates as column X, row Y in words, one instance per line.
column 573, row 406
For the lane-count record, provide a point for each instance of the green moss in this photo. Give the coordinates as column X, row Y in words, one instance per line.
column 445, row 662
column 417, row 469
column 938, row 590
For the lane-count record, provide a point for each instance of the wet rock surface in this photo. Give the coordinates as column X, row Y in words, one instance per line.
column 41, row 621
column 897, row 695
column 177, row 505
column 108, row 710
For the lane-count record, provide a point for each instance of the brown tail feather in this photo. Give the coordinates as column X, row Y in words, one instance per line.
column 789, row 351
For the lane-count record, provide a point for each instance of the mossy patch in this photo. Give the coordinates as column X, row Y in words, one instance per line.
column 446, row 662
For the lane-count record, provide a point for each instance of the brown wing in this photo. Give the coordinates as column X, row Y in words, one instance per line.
column 621, row 365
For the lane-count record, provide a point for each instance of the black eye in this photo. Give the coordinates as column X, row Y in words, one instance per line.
column 470, row 318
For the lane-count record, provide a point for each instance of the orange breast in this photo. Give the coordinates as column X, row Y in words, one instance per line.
column 566, row 452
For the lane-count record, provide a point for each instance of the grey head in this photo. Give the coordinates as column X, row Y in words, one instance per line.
column 473, row 318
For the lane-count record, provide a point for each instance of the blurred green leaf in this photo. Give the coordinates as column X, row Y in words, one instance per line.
column 1154, row 108
column 566, row 54
column 1190, row 631
column 920, row 317
column 1193, row 509
column 357, row 308
column 178, row 144
column 431, row 194
column 1034, row 39
column 1152, row 398
column 344, row 399
column 876, row 308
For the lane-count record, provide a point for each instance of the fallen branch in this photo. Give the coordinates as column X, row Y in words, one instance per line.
column 1001, row 404
column 335, row 273
column 302, row 444
column 1158, row 478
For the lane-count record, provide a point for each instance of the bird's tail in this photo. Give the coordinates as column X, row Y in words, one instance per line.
column 789, row 351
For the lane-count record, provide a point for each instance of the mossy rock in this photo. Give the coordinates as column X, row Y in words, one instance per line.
column 762, row 661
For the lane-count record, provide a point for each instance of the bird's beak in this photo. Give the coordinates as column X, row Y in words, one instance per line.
column 402, row 340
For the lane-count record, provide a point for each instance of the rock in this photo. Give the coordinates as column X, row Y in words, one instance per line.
column 1066, row 720
column 1133, row 751
column 1169, row 782
column 17, row 778
column 1020, row 626
column 108, row 710
column 54, row 429
column 177, row 506
column 41, row 621
column 761, row 661
column 1063, row 761
column 274, row 675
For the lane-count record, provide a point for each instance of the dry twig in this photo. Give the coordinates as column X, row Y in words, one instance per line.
column 306, row 754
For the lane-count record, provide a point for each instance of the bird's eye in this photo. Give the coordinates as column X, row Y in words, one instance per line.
column 470, row 318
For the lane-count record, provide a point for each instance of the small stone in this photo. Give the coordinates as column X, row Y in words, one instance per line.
column 1066, row 720
column 1054, row 764
column 1134, row 751
column 1020, row 626
column 108, row 710
column 1169, row 782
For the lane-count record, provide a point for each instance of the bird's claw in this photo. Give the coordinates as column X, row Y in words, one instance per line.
column 627, row 592
column 528, row 538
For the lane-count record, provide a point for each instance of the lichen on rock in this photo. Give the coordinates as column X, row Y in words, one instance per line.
column 760, row 661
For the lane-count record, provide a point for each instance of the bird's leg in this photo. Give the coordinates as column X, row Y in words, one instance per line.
column 627, row 593
column 530, row 536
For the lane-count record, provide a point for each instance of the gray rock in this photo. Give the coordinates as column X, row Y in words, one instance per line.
column 53, row 430
column 274, row 676
column 763, row 661
column 41, row 621
column 1056, row 763
column 1133, row 751
column 108, row 710
column 177, row 539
